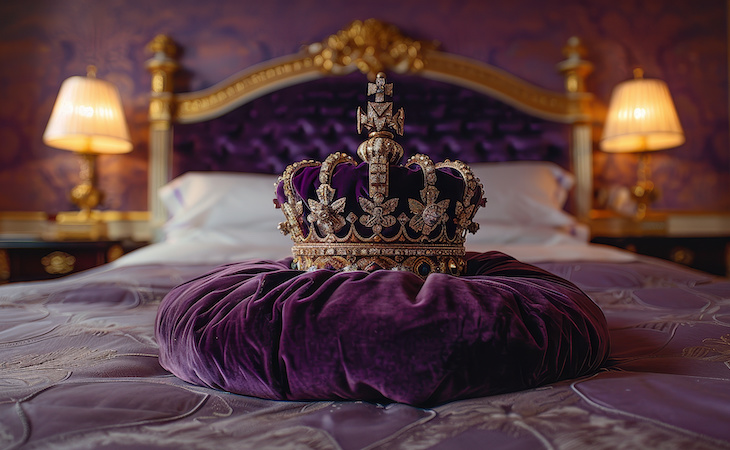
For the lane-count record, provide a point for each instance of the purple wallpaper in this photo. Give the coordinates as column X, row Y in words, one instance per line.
column 42, row 42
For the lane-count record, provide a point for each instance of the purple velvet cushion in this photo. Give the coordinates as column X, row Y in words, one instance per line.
column 259, row 328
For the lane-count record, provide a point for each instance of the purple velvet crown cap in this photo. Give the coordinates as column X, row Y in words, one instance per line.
column 379, row 215
column 352, row 182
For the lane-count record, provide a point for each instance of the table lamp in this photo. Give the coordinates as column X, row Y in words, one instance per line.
column 88, row 118
column 641, row 118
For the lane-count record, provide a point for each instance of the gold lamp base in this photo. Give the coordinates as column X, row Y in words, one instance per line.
column 85, row 224
column 85, row 195
column 644, row 191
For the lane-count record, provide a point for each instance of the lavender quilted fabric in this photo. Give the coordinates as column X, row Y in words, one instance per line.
column 260, row 328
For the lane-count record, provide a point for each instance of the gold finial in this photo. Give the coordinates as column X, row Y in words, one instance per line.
column 162, row 65
column 574, row 48
column 162, row 44
column 638, row 73
column 91, row 71
column 575, row 68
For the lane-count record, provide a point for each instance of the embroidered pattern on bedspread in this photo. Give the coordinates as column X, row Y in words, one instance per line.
column 712, row 350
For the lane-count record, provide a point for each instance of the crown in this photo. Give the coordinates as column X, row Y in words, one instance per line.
column 378, row 214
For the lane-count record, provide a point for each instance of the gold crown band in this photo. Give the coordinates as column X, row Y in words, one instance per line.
column 423, row 259
column 367, row 249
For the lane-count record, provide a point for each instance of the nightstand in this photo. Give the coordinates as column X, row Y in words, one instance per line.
column 31, row 259
column 697, row 240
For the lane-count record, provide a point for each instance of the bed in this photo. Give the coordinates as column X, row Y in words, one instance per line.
column 79, row 365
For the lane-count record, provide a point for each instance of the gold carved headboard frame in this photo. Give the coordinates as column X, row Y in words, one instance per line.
column 369, row 46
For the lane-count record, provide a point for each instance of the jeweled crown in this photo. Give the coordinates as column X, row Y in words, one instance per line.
column 379, row 215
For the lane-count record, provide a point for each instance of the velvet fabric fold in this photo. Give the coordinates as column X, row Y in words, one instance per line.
column 262, row 329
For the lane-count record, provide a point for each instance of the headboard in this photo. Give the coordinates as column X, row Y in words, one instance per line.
column 367, row 47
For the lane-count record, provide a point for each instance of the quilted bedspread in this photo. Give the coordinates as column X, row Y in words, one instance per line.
column 79, row 369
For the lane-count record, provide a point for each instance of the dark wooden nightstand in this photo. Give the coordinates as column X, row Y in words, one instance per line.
column 30, row 259
column 697, row 240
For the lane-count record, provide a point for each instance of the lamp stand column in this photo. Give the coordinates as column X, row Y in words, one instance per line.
column 644, row 191
column 85, row 195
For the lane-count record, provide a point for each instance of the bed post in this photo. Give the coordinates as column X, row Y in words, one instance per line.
column 162, row 65
column 575, row 69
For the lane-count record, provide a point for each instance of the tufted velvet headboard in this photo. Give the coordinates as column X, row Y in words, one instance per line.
column 303, row 107
column 314, row 119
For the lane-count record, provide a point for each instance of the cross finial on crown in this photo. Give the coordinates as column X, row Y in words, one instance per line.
column 380, row 88
column 380, row 113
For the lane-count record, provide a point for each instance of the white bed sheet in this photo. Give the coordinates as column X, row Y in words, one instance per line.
column 191, row 252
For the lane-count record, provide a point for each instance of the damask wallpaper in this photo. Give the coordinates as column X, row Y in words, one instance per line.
column 42, row 42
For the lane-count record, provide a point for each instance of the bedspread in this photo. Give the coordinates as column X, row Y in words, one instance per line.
column 79, row 369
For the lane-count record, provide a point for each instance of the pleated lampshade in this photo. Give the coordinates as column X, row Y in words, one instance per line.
column 641, row 117
column 88, row 118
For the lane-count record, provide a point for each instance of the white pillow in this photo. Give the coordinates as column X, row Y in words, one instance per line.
column 238, row 208
column 492, row 233
column 524, row 193
column 222, row 208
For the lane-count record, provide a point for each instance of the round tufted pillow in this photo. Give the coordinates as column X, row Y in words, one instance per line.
column 262, row 329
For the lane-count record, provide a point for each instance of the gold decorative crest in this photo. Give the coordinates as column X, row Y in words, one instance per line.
column 372, row 46
column 382, row 230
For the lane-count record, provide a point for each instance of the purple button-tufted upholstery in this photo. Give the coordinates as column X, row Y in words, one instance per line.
column 315, row 119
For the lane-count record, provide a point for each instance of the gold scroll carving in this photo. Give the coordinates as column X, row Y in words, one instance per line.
column 372, row 47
